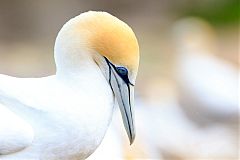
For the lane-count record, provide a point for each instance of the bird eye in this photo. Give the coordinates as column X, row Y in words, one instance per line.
column 122, row 70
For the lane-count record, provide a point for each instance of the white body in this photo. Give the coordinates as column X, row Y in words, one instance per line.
column 112, row 146
column 176, row 135
column 61, row 117
column 212, row 81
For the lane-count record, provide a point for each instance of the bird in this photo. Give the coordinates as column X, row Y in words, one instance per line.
column 113, row 141
column 174, row 135
column 65, row 116
column 208, row 83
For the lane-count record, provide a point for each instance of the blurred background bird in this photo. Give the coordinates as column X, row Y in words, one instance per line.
column 211, row 81
column 181, row 44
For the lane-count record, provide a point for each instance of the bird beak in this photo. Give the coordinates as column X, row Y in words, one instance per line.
column 124, row 93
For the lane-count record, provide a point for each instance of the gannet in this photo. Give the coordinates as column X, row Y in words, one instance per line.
column 209, row 84
column 65, row 116
column 113, row 141
column 176, row 136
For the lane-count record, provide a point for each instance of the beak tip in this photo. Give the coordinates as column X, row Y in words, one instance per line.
column 131, row 139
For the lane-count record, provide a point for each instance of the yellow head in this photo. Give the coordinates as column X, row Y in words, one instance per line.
column 100, row 38
column 105, row 34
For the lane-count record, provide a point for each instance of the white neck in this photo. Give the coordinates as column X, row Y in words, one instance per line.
column 70, row 51
column 76, row 64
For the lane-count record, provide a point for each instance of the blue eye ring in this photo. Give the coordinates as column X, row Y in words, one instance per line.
column 122, row 71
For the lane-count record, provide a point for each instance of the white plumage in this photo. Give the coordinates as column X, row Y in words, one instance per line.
column 50, row 106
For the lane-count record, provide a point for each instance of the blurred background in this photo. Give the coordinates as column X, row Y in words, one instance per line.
column 187, row 87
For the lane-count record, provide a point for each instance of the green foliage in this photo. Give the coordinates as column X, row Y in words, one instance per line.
column 216, row 12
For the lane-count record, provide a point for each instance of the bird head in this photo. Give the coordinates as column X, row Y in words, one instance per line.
column 112, row 45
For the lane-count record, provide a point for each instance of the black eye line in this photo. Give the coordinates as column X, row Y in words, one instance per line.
column 124, row 77
column 110, row 76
